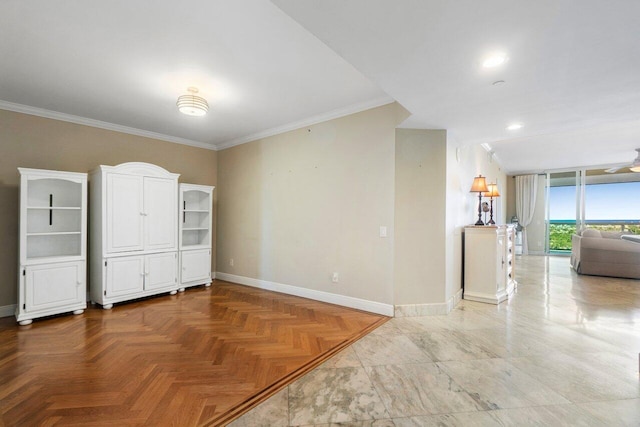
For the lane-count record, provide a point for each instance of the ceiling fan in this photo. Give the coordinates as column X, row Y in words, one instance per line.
column 633, row 167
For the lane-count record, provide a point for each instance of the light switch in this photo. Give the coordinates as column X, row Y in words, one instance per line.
column 383, row 231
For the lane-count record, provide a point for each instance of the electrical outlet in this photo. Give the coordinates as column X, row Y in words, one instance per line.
column 334, row 278
column 231, row 262
column 383, row 231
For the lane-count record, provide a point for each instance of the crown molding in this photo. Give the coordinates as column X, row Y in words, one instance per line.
column 49, row 114
column 330, row 115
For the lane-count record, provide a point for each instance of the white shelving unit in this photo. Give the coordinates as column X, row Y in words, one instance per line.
column 134, row 238
column 53, row 235
column 195, row 227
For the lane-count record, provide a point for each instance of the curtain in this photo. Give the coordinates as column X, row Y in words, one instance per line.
column 526, row 190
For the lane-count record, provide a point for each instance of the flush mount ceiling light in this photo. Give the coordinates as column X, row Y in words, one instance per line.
column 192, row 105
column 494, row 60
column 514, row 126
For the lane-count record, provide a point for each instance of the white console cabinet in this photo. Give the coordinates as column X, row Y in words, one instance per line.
column 489, row 263
column 53, row 235
column 134, row 238
column 195, row 223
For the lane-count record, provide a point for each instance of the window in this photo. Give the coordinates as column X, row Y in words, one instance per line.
column 593, row 198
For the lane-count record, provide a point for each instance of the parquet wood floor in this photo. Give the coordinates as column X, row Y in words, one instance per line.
column 197, row 358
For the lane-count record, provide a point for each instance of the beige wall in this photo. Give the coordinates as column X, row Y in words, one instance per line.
column 420, row 211
column 296, row 207
column 35, row 142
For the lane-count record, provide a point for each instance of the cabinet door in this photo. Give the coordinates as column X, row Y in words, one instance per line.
column 54, row 285
column 161, row 271
column 124, row 213
column 195, row 266
column 125, row 275
column 160, row 207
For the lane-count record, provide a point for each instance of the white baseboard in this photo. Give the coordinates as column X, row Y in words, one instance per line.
column 346, row 301
column 453, row 302
column 416, row 310
column 213, row 275
column 436, row 309
column 7, row 310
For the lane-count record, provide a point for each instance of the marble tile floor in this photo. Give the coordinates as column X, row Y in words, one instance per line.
column 563, row 351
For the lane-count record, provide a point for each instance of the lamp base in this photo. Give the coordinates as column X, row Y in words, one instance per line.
column 479, row 221
column 491, row 221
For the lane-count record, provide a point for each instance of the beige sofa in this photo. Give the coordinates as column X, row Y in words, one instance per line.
column 603, row 253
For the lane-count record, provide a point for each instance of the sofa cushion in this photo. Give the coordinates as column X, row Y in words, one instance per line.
column 611, row 234
column 590, row 232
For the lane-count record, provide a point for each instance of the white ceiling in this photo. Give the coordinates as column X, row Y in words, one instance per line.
column 572, row 76
column 126, row 62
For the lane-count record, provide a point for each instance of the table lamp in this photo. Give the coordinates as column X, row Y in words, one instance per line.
column 479, row 186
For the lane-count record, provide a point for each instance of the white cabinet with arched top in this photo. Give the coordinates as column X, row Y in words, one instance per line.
column 134, row 238
column 52, row 239
column 195, row 234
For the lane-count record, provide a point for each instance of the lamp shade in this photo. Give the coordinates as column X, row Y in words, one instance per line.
column 191, row 104
column 479, row 185
column 493, row 191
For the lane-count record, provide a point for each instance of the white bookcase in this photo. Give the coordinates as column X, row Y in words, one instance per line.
column 195, row 228
column 134, row 238
column 489, row 263
column 53, row 236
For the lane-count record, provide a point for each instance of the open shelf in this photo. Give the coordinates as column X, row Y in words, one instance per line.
column 52, row 192
column 55, row 208
column 54, row 220
column 195, row 216
column 53, row 216
column 55, row 233
column 44, row 245
column 196, row 201
column 192, row 219
column 195, row 237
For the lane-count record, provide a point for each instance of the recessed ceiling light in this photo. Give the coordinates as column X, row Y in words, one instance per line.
column 514, row 126
column 494, row 60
